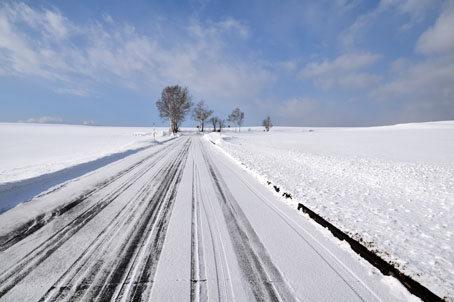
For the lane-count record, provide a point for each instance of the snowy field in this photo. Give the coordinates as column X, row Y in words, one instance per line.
column 391, row 187
column 37, row 157
column 176, row 222
column 30, row 150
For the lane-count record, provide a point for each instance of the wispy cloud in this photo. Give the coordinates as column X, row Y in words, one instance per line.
column 426, row 87
column 342, row 71
column 215, row 29
column 359, row 80
column 344, row 6
column 439, row 38
column 107, row 18
column 43, row 120
column 310, row 111
column 342, row 64
column 300, row 55
column 89, row 123
column 41, row 42
column 415, row 11
column 73, row 91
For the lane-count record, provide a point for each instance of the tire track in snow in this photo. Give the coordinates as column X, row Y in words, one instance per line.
column 100, row 247
column 198, row 273
column 107, row 274
column 266, row 281
column 11, row 276
column 30, row 227
column 302, row 233
column 138, row 282
column 212, row 242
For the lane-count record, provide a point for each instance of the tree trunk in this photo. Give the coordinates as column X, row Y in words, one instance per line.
column 173, row 126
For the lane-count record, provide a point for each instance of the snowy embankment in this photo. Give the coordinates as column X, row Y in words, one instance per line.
column 35, row 157
column 390, row 187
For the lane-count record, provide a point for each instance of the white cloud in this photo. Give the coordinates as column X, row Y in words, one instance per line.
column 44, row 43
column 415, row 10
column 43, row 120
column 400, row 66
column 309, row 111
column 231, row 24
column 350, row 36
column 343, row 71
column 440, row 37
column 214, row 29
column 107, row 18
column 359, row 80
column 89, row 123
column 290, row 65
column 73, row 91
column 426, row 90
column 344, row 6
column 426, row 79
column 298, row 108
column 342, row 64
column 294, row 111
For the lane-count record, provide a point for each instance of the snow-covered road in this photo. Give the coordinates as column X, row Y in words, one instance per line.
column 176, row 222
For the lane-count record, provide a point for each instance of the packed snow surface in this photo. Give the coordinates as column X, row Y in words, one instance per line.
column 390, row 187
column 31, row 150
column 179, row 221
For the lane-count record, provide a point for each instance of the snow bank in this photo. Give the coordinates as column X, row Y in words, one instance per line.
column 391, row 186
column 31, row 150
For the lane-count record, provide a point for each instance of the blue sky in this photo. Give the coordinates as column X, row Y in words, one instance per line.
column 304, row 63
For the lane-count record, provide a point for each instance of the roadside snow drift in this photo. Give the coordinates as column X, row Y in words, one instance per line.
column 390, row 187
column 30, row 150
column 35, row 157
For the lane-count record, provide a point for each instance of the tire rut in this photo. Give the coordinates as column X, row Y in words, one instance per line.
column 33, row 225
column 104, row 275
column 137, row 283
column 212, row 242
column 297, row 229
column 266, row 281
column 198, row 274
column 19, row 271
column 100, row 247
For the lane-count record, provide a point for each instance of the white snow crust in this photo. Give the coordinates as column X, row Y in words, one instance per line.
column 31, row 150
column 222, row 228
column 390, row 187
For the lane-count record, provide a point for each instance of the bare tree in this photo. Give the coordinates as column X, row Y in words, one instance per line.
column 233, row 118
column 201, row 113
column 221, row 124
column 236, row 117
column 240, row 120
column 174, row 104
column 267, row 123
column 214, row 121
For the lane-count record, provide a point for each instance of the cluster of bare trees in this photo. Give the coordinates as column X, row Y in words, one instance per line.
column 175, row 103
column 217, row 123
column 237, row 118
column 201, row 113
column 267, row 123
